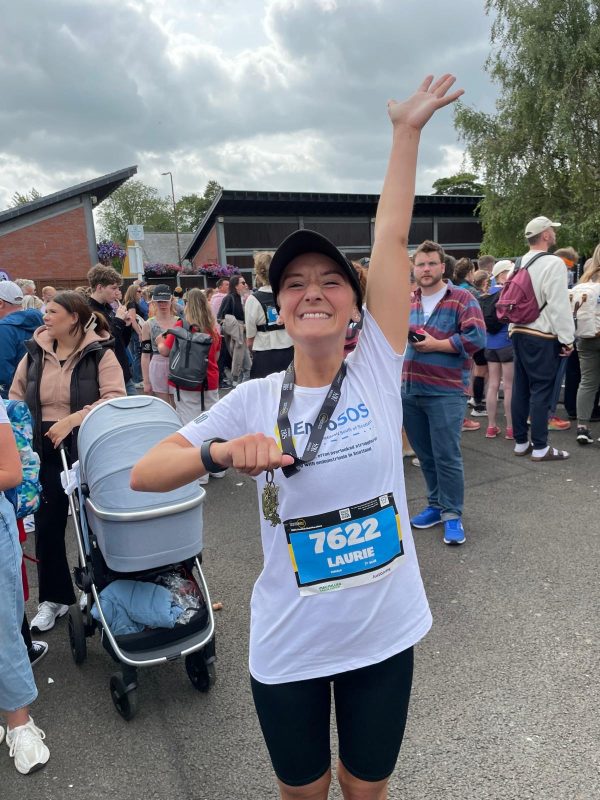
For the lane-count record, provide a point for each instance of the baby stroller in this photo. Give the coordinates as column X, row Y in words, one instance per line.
column 124, row 535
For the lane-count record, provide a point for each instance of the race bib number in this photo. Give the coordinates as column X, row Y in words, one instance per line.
column 349, row 547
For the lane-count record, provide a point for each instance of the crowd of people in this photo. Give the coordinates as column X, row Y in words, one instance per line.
column 319, row 346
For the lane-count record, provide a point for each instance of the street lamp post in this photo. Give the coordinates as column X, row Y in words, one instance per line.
column 170, row 174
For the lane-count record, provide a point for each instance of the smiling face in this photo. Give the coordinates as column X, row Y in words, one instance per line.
column 316, row 299
column 58, row 321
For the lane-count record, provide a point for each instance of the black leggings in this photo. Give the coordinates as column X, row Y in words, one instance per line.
column 371, row 705
column 50, row 522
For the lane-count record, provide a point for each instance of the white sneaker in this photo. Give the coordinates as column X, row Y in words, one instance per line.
column 218, row 474
column 203, row 480
column 27, row 748
column 47, row 615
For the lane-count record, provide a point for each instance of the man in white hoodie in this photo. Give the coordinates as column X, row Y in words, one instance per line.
column 539, row 345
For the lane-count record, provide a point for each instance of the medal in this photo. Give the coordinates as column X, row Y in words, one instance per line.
column 270, row 500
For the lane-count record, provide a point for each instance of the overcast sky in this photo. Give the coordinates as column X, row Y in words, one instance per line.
column 281, row 94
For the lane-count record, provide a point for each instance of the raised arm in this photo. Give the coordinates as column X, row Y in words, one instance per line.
column 390, row 266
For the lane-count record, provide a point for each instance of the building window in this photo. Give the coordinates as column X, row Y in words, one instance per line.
column 466, row 231
column 353, row 233
column 257, row 235
column 420, row 230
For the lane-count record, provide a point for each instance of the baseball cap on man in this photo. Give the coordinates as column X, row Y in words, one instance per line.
column 539, row 224
column 501, row 266
column 161, row 292
column 305, row 241
column 11, row 293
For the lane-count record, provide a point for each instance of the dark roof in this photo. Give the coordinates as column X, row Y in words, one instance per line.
column 161, row 248
column 101, row 187
column 230, row 202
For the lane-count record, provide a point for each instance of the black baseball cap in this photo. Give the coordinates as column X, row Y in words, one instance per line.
column 161, row 292
column 305, row 241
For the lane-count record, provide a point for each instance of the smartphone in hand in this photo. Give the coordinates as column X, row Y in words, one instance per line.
column 416, row 336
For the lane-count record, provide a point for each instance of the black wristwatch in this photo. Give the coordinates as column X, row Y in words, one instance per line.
column 209, row 464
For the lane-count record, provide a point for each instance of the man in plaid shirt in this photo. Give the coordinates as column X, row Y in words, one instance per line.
column 435, row 385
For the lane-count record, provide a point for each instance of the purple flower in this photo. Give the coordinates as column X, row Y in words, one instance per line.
column 162, row 269
column 109, row 250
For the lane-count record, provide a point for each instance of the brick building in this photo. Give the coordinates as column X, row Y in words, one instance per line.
column 239, row 223
column 52, row 240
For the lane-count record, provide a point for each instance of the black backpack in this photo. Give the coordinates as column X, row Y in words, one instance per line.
column 488, row 304
column 188, row 360
column 270, row 310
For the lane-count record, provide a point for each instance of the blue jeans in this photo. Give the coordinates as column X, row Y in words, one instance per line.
column 135, row 357
column 17, row 686
column 433, row 424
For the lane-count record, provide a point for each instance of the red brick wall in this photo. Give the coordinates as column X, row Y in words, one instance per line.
column 209, row 250
column 52, row 251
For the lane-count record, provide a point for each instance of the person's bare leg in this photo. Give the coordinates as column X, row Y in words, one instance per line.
column 355, row 789
column 18, row 717
column 317, row 790
column 491, row 398
column 168, row 398
column 508, row 371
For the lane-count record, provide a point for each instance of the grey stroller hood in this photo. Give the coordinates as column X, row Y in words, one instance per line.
column 135, row 530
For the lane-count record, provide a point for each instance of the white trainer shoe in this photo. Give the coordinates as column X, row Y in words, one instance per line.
column 47, row 615
column 26, row 746
column 218, row 474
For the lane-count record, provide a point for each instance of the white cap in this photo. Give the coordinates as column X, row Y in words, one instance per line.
column 501, row 266
column 539, row 224
column 11, row 293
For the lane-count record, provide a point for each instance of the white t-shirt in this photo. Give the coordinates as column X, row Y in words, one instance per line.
column 430, row 301
column 263, row 340
column 295, row 636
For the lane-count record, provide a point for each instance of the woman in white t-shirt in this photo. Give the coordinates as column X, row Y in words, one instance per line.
column 340, row 600
column 17, row 685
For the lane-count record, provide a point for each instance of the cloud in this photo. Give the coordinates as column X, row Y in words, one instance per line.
column 286, row 94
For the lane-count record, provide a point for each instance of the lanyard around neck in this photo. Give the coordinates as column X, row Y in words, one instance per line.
column 319, row 426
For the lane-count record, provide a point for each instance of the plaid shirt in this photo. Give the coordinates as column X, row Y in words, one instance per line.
column 456, row 317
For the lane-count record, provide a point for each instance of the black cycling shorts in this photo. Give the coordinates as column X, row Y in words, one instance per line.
column 479, row 358
column 371, row 705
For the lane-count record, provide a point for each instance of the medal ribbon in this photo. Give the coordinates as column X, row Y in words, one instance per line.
column 320, row 424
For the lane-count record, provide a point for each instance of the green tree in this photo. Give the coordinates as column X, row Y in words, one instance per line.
column 134, row 203
column 461, row 183
column 19, row 199
column 191, row 208
column 539, row 153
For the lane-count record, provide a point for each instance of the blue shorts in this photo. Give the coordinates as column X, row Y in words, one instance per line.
column 17, row 685
column 371, row 705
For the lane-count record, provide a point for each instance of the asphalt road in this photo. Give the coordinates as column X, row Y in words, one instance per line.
column 506, row 696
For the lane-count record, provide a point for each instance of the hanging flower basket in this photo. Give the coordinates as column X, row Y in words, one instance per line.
column 211, row 269
column 161, row 270
column 111, row 254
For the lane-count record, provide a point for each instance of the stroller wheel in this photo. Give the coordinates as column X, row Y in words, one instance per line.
column 201, row 674
column 124, row 697
column 77, row 634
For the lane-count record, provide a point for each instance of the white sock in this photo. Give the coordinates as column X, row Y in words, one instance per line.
column 541, row 453
column 521, row 448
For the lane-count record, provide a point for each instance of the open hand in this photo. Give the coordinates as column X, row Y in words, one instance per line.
column 250, row 454
column 431, row 95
